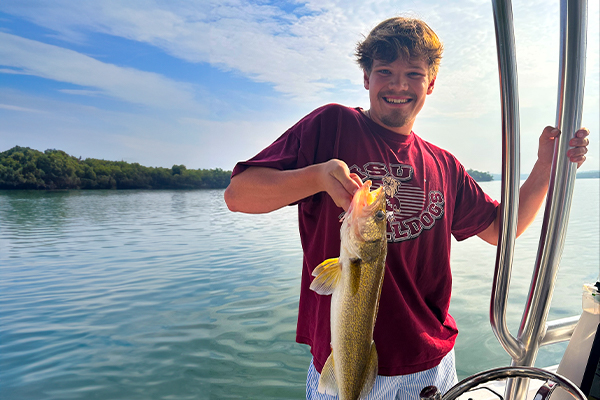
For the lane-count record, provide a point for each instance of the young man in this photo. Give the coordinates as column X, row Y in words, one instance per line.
column 320, row 162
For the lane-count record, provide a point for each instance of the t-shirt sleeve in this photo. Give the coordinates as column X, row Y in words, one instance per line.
column 474, row 209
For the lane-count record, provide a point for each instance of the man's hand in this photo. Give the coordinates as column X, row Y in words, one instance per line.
column 339, row 182
column 534, row 189
column 578, row 143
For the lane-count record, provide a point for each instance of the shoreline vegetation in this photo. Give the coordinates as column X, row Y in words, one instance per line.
column 480, row 176
column 23, row 168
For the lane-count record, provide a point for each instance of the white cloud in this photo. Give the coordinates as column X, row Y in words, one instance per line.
column 20, row 109
column 307, row 56
column 93, row 93
column 12, row 71
column 63, row 65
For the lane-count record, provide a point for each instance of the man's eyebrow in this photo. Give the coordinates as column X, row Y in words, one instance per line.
column 409, row 64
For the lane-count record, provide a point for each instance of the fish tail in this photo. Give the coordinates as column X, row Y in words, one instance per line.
column 370, row 373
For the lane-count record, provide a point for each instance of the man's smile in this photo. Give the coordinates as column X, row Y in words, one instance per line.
column 392, row 100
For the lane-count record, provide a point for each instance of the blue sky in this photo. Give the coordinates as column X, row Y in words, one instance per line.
column 208, row 83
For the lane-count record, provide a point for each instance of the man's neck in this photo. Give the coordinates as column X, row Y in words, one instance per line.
column 405, row 129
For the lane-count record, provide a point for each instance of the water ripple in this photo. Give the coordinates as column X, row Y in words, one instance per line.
column 109, row 295
column 168, row 295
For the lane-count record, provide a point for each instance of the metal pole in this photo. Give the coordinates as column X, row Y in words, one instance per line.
column 573, row 27
column 523, row 350
column 562, row 182
column 507, row 67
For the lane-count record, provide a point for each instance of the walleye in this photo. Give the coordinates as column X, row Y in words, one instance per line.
column 354, row 280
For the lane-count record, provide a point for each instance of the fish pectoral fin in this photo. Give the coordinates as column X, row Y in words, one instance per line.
column 327, row 274
column 327, row 382
column 370, row 373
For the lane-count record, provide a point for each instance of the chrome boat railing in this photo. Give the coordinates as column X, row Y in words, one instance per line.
column 534, row 330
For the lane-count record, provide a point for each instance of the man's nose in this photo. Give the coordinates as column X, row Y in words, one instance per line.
column 398, row 81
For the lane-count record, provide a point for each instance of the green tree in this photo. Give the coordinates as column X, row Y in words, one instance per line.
column 480, row 176
column 24, row 168
column 178, row 169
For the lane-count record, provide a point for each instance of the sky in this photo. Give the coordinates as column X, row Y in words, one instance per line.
column 209, row 83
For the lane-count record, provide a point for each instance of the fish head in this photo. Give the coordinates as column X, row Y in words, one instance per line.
column 365, row 222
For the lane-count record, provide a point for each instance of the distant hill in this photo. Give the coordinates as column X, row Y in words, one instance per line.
column 579, row 175
column 25, row 168
column 498, row 177
column 588, row 174
column 480, row 176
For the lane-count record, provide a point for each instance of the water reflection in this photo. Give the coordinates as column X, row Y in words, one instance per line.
column 145, row 295
column 167, row 294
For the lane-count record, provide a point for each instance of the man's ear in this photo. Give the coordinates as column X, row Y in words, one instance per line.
column 431, row 85
column 366, row 79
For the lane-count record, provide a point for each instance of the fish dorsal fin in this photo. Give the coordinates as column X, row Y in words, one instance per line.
column 370, row 373
column 327, row 382
column 327, row 274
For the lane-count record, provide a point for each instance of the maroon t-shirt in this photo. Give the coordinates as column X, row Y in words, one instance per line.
column 429, row 196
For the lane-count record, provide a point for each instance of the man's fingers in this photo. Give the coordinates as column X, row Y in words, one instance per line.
column 580, row 139
column 579, row 144
column 583, row 132
column 348, row 180
column 343, row 184
column 550, row 133
column 577, row 154
column 356, row 179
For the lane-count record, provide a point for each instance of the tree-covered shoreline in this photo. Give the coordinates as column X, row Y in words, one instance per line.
column 480, row 176
column 26, row 168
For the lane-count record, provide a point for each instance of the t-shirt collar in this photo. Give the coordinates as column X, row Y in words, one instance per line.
column 385, row 133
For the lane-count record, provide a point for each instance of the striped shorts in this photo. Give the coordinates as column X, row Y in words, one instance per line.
column 400, row 387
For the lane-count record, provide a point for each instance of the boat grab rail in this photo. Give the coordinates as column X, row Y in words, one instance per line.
column 534, row 331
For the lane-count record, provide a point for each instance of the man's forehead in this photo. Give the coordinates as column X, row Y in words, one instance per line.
column 411, row 62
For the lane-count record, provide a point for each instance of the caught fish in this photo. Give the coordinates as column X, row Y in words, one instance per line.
column 354, row 280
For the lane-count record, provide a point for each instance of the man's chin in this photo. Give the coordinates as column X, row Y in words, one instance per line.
column 394, row 122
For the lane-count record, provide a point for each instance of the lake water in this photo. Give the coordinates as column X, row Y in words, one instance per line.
column 168, row 295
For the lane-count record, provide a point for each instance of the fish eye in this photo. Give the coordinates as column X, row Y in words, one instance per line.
column 380, row 215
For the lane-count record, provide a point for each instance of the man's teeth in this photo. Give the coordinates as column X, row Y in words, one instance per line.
column 396, row 101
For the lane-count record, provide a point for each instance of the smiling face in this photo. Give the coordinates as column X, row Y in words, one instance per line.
column 397, row 92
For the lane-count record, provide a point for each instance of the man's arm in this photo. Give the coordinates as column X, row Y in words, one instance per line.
column 261, row 190
column 534, row 189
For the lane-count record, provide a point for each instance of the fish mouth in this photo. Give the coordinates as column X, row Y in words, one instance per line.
column 375, row 199
column 371, row 199
column 375, row 196
column 365, row 200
